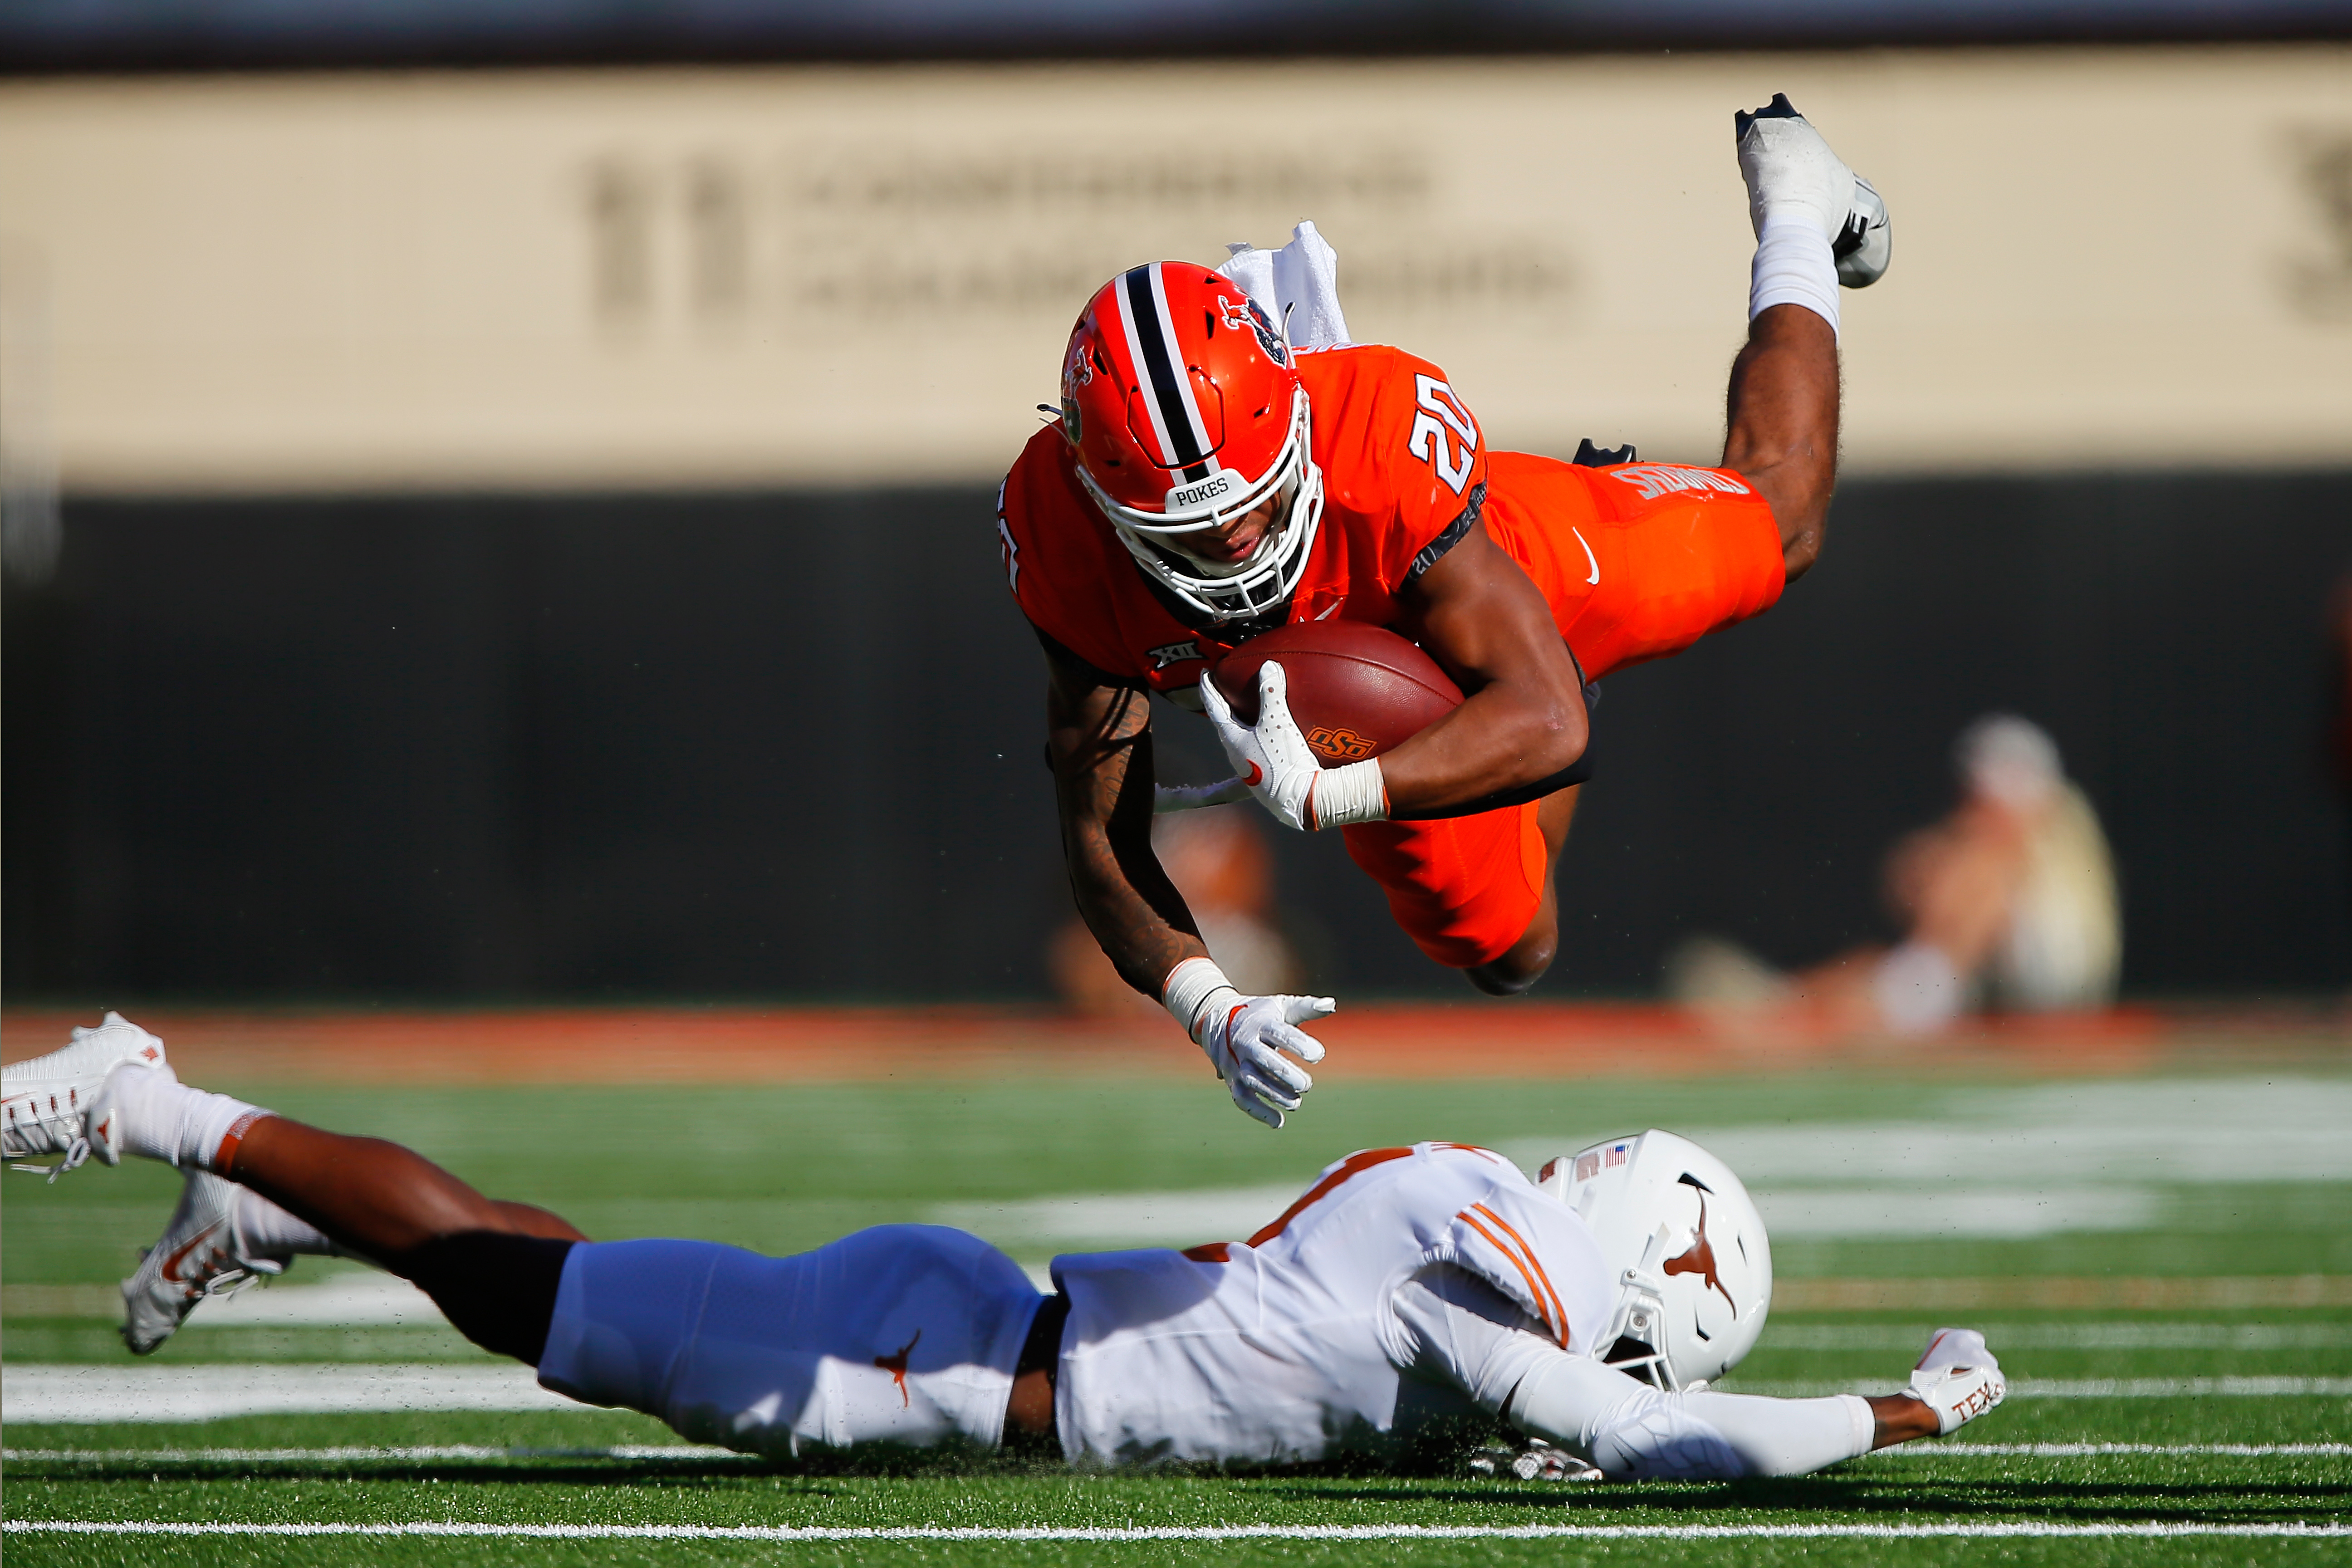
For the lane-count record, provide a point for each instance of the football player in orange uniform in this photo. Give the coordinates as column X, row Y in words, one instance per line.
column 1207, row 481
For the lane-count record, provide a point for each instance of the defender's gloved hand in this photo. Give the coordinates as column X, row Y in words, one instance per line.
column 1958, row 1378
column 1244, row 1037
column 1538, row 1461
column 1791, row 175
column 1274, row 760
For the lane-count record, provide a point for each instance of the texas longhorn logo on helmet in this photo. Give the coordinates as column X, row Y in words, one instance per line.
column 1699, row 1258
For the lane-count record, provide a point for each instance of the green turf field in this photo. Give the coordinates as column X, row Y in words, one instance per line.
column 2237, row 1410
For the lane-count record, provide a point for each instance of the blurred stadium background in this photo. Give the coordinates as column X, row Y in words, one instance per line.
column 524, row 536
column 503, row 605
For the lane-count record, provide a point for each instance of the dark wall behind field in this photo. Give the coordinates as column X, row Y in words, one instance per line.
column 473, row 749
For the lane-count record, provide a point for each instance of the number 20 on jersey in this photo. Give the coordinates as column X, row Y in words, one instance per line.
column 1440, row 415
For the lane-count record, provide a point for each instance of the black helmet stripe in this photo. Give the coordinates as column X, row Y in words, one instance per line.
column 1153, row 337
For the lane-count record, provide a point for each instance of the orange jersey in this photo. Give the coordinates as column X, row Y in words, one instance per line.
column 1640, row 559
column 1636, row 562
column 1395, row 475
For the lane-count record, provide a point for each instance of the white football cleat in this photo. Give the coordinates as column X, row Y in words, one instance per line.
column 49, row 1099
column 1958, row 1378
column 1865, row 249
column 203, row 1253
column 1790, row 170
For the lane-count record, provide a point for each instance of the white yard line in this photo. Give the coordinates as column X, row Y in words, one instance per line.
column 351, row 1300
column 2061, row 1293
column 2173, row 1132
column 357, row 1455
column 1953, row 1208
column 474, row 1451
column 339, row 1301
column 2085, row 1450
column 2029, row 1529
column 35, row 1392
column 2085, row 1387
column 2006, row 1337
column 58, row 1392
column 1997, row 1165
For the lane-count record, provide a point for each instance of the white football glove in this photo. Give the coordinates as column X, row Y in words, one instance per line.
column 1244, row 1040
column 1274, row 760
column 1244, row 1037
column 1538, row 1461
column 1958, row 1378
column 1792, row 173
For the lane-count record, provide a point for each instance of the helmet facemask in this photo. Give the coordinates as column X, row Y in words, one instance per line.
column 1265, row 577
column 1636, row 1336
column 1185, row 413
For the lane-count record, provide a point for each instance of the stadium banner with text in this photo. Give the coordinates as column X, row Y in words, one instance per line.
column 856, row 275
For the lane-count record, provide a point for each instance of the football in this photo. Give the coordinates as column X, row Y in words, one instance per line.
column 1356, row 689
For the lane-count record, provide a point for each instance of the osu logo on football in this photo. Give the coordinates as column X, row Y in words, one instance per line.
column 1344, row 744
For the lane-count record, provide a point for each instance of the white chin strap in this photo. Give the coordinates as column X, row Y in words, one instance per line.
column 1265, row 579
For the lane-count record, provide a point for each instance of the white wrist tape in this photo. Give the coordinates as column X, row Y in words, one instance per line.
column 1191, row 993
column 1355, row 793
column 1793, row 265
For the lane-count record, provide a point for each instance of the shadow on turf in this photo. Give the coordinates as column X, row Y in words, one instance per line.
column 528, row 1467
column 2107, row 1503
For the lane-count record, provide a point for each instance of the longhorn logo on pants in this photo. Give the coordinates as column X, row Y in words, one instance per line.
column 896, row 1365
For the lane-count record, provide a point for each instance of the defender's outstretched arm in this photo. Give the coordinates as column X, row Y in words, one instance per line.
column 1468, row 1335
column 1629, row 1429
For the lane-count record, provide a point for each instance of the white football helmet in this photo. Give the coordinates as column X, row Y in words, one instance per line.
column 1686, row 1248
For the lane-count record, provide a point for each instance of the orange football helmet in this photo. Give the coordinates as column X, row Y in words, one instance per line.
column 1179, row 396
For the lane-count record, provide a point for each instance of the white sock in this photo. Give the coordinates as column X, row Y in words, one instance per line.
column 179, row 1124
column 1793, row 265
column 270, row 1231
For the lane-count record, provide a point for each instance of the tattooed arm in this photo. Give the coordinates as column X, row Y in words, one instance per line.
column 1098, row 743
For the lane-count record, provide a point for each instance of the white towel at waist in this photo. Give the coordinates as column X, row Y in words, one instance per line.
column 1298, row 286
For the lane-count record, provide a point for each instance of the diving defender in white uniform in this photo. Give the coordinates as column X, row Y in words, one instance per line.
column 1411, row 1303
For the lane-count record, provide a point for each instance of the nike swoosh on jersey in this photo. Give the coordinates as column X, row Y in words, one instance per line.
column 1589, row 560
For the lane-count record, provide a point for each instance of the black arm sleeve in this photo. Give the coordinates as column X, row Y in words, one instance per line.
column 1456, row 533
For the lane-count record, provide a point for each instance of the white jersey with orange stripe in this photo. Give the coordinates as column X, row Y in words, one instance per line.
column 1291, row 1346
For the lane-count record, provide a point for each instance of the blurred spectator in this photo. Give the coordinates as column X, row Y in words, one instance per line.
column 1219, row 860
column 2009, row 899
